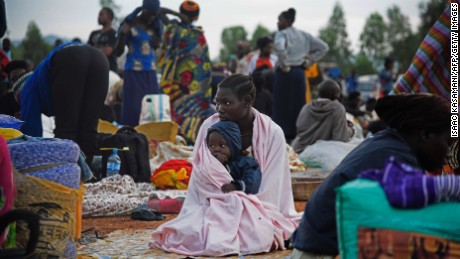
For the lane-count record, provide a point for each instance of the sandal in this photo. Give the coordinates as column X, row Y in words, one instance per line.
column 90, row 235
column 146, row 215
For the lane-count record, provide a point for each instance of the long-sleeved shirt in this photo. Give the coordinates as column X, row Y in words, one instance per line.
column 246, row 174
column 410, row 187
column 293, row 46
column 317, row 232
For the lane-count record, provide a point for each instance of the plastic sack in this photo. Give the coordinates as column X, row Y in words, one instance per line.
column 172, row 174
column 11, row 122
column 60, row 211
column 367, row 224
column 155, row 108
column 327, row 154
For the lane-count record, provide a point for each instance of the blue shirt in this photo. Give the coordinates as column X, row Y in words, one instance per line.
column 246, row 173
column 317, row 231
column 140, row 55
column 386, row 80
column 352, row 83
column 35, row 97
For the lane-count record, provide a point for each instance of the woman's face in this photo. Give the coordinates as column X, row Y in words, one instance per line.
column 218, row 147
column 282, row 23
column 432, row 153
column 229, row 106
column 267, row 50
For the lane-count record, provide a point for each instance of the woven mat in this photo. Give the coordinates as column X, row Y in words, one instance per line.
column 134, row 244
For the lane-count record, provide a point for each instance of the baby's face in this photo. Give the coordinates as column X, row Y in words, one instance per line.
column 218, row 147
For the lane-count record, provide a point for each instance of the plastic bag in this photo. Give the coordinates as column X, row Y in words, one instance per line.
column 155, row 108
column 60, row 211
column 327, row 154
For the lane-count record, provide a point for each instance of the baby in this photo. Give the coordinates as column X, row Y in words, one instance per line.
column 224, row 143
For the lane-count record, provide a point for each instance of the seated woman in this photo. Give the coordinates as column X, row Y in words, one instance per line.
column 418, row 135
column 214, row 223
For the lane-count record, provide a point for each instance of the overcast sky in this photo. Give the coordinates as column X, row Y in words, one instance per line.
column 77, row 18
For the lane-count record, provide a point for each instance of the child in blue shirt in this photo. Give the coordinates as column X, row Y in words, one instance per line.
column 224, row 143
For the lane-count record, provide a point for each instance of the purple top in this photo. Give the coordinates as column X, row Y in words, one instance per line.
column 409, row 187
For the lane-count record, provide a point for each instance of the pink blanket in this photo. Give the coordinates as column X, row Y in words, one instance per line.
column 212, row 223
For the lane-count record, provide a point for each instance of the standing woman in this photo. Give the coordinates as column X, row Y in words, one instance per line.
column 141, row 31
column 296, row 51
column 186, row 68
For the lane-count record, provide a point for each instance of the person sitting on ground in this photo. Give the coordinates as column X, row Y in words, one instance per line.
column 263, row 101
column 14, row 70
column 353, row 103
column 323, row 119
column 224, row 143
column 232, row 215
column 369, row 109
column 418, row 135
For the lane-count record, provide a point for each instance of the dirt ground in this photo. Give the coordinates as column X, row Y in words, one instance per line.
column 106, row 225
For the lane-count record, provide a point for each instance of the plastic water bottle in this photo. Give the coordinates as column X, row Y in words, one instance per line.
column 113, row 163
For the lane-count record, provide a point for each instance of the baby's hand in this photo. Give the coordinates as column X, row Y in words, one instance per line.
column 228, row 187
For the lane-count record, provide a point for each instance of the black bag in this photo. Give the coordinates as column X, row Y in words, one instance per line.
column 135, row 161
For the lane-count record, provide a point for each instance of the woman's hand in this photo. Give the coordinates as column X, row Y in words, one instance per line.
column 228, row 187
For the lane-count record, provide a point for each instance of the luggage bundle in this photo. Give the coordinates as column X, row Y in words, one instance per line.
column 48, row 183
column 369, row 227
column 133, row 150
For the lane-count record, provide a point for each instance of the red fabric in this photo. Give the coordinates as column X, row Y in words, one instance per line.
column 165, row 206
column 7, row 184
column 264, row 62
column 4, row 60
column 170, row 175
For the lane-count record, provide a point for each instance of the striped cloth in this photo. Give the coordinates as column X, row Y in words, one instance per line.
column 409, row 187
column 430, row 68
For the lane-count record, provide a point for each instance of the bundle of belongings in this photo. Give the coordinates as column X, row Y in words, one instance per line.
column 47, row 177
column 399, row 212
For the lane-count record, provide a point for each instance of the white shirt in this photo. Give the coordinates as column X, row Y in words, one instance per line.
column 253, row 62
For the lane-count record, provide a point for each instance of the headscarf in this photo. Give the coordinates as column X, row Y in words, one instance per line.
column 414, row 111
column 17, row 87
column 191, row 9
column 231, row 133
column 151, row 5
column 16, row 64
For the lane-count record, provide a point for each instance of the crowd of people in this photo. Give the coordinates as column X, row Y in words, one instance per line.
column 240, row 120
